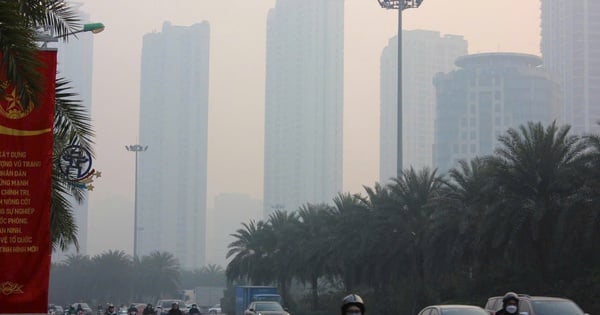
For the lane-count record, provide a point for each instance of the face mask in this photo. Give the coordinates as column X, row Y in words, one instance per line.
column 511, row 309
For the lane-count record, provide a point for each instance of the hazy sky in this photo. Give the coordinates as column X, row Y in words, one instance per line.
column 236, row 101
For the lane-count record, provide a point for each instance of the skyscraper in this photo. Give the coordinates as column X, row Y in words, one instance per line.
column 571, row 52
column 75, row 64
column 424, row 54
column 173, row 124
column 490, row 93
column 304, row 103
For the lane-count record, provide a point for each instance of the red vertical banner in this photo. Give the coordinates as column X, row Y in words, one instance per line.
column 25, row 189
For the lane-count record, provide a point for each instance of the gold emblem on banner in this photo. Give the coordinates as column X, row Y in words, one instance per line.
column 10, row 106
column 9, row 288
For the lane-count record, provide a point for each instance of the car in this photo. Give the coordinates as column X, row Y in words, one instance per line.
column 537, row 305
column 55, row 309
column 163, row 306
column 265, row 308
column 453, row 309
column 86, row 308
column 215, row 310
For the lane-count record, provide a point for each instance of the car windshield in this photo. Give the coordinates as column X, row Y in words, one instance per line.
column 268, row 307
column 168, row 304
column 556, row 308
column 463, row 311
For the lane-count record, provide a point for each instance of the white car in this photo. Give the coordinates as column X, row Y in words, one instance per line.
column 215, row 310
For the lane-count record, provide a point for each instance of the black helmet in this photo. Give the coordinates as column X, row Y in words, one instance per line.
column 510, row 296
column 353, row 299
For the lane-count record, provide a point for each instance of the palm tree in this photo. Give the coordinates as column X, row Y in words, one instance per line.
column 160, row 272
column 459, row 222
column 415, row 194
column 538, row 172
column 115, row 270
column 249, row 251
column 315, row 250
column 282, row 242
column 71, row 127
column 20, row 23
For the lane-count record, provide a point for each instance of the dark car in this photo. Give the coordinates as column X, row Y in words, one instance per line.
column 455, row 309
column 265, row 308
column 537, row 305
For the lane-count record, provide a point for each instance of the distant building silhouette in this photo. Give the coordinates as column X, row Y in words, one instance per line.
column 304, row 103
column 491, row 93
column 75, row 64
column 424, row 54
column 173, row 124
column 230, row 211
column 571, row 51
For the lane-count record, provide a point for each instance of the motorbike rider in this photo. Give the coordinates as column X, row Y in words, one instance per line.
column 353, row 305
column 149, row 310
column 510, row 304
column 110, row 310
column 194, row 310
column 175, row 310
column 132, row 310
column 79, row 310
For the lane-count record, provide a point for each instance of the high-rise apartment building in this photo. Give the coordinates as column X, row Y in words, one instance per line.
column 571, row 52
column 75, row 64
column 490, row 93
column 171, row 214
column 424, row 53
column 304, row 103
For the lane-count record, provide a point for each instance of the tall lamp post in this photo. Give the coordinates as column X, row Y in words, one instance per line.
column 399, row 5
column 137, row 148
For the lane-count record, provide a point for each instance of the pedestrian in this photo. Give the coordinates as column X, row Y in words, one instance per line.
column 510, row 304
column 353, row 305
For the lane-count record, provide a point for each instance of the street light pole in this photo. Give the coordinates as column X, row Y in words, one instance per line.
column 399, row 5
column 135, row 148
column 44, row 38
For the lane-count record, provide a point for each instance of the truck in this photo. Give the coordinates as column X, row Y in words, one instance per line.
column 244, row 295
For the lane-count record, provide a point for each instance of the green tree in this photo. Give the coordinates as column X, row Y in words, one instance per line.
column 115, row 276
column 249, row 251
column 160, row 275
column 315, row 251
column 21, row 22
column 538, row 171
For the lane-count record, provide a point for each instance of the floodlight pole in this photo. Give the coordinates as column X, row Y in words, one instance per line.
column 399, row 5
column 137, row 148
